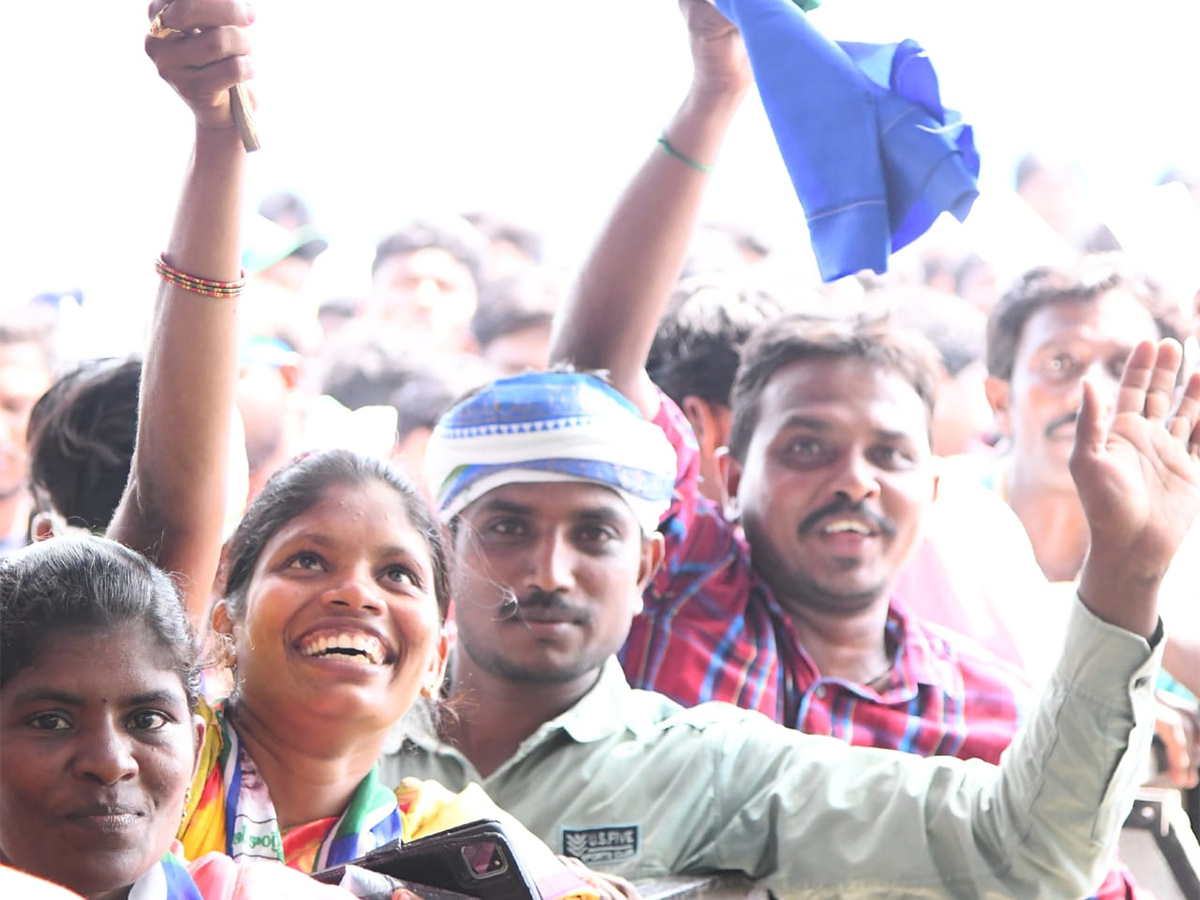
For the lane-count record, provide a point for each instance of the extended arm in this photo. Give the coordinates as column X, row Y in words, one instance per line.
column 827, row 819
column 609, row 320
column 174, row 505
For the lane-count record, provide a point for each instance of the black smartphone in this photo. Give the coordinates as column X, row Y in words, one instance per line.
column 475, row 859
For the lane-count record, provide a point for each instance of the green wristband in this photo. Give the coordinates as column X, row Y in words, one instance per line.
column 683, row 157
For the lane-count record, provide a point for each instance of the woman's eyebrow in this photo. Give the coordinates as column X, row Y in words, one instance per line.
column 47, row 695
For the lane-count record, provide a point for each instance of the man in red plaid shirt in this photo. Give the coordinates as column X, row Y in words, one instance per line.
column 804, row 627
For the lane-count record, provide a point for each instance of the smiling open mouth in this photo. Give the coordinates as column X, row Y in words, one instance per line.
column 840, row 526
column 360, row 648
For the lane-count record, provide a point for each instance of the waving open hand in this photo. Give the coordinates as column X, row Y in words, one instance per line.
column 1138, row 477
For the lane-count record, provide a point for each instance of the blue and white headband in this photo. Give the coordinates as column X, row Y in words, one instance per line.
column 550, row 426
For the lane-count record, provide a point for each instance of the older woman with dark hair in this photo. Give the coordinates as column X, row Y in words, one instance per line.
column 98, row 688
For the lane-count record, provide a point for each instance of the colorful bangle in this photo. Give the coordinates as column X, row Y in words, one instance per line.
column 683, row 157
column 205, row 286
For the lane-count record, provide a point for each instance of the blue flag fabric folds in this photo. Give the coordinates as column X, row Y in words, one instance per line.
column 873, row 155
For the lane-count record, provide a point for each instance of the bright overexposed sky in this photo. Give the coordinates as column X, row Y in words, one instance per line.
column 541, row 109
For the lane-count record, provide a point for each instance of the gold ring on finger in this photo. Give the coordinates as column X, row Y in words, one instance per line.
column 158, row 29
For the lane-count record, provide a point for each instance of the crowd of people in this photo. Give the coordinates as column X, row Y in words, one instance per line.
column 678, row 564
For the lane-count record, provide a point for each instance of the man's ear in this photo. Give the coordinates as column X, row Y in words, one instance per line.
column 731, row 480
column 999, row 394
column 652, row 553
column 700, row 416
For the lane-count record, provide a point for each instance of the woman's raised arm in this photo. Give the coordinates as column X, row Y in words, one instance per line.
column 174, row 506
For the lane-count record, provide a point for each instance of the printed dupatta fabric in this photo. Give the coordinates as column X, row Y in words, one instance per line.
column 168, row 880
column 231, row 812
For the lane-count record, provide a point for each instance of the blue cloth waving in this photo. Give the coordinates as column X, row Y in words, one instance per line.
column 872, row 153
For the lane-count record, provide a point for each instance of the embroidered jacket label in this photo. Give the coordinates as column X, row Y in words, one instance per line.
column 606, row 844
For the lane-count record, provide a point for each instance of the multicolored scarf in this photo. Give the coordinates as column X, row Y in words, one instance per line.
column 168, row 880
column 231, row 811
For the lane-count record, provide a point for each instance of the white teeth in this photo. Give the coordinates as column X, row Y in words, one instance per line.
column 846, row 525
column 358, row 647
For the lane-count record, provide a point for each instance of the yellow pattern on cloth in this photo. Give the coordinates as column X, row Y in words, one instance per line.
column 426, row 807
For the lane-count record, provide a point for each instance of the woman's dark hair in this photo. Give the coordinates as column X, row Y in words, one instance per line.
column 81, row 437
column 82, row 583
column 298, row 487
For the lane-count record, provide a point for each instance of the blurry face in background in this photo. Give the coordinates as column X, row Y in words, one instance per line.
column 428, row 292
column 1060, row 345
column 962, row 417
column 24, row 377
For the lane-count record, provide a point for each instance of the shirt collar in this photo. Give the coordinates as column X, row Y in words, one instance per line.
column 590, row 719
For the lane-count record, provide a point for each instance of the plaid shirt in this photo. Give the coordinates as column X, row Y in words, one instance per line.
column 712, row 630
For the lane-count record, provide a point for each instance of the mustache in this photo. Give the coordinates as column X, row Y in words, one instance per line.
column 840, row 507
column 1059, row 422
column 512, row 607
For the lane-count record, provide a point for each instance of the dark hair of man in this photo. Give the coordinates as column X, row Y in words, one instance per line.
column 1093, row 276
column 697, row 347
column 82, row 584
column 299, row 486
column 364, row 364
column 800, row 337
column 525, row 299
column 498, row 229
column 456, row 236
column 81, row 437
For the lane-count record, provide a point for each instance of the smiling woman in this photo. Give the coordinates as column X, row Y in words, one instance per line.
column 334, row 584
column 332, row 604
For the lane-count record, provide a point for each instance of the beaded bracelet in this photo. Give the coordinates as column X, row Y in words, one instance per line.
column 204, row 286
column 683, row 157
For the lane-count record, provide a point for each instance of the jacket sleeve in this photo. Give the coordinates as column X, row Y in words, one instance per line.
column 814, row 817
